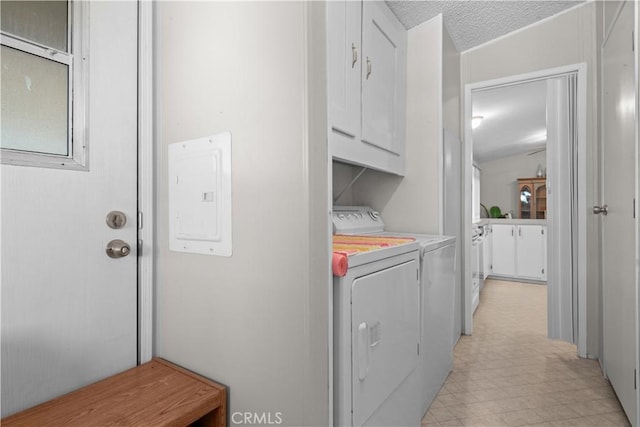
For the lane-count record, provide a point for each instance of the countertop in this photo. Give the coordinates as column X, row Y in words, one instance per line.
column 515, row 221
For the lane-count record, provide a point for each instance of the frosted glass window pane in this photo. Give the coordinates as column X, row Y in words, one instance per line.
column 43, row 22
column 34, row 104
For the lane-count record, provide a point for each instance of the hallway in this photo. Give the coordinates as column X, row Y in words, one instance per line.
column 509, row 374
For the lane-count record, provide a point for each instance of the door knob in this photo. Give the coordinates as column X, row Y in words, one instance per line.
column 118, row 249
column 601, row 209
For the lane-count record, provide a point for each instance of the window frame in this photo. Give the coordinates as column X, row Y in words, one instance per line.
column 78, row 90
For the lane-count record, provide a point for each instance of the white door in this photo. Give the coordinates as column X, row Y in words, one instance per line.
column 618, row 246
column 504, row 246
column 68, row 310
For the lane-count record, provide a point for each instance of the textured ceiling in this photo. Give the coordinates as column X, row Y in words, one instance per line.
column 514, row 120
column 471, row 23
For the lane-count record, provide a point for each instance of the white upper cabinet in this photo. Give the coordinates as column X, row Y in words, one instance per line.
column 344, row 51
column 384, row 43
column 366, row 64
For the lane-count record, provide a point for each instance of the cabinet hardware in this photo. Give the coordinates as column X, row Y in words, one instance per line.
column 519, row 231
column 511, row 231
column 368, row 67
column 354, row 55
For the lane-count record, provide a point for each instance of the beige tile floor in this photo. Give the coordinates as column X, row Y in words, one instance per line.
column 509, row 374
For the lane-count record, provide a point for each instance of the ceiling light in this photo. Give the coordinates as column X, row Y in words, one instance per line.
column 475, row 121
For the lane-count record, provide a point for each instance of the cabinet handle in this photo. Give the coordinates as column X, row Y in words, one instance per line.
column 368, row 68
column 511, row 231
column 354, row 55
column 519, row 231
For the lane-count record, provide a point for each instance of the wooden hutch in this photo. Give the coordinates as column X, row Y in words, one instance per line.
column 532, row 198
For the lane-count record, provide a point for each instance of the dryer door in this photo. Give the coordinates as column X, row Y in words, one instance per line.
column 385, row 329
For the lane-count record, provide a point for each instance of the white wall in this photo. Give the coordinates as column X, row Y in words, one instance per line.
column 567, row 38
column 257, row 321
column 450, row 84
column 343, row 174
column 499, row 179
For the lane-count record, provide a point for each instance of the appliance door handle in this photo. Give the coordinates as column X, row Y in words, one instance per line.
column 363, row 350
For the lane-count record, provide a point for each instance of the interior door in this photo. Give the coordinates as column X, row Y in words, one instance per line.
column 618, row 246
column 69, row 310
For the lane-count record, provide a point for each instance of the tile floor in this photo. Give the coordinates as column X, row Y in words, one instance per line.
column 509, row 374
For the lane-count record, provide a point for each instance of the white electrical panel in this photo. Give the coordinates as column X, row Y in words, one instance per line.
column 200, row 195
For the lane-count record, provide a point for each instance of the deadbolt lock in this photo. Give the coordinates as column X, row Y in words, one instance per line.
column 118, row 249
column 116, row 219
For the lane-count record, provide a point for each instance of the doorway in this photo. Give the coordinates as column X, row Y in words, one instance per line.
column 566, row 220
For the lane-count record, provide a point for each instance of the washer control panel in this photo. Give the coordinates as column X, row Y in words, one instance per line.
column 356, row 220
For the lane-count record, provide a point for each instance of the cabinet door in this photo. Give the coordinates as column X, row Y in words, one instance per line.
column 503, row 246
column 487, row 244
column 384, row 42
column 531, row 252
column 344, row 59
column 540, row 200
column 526, row 199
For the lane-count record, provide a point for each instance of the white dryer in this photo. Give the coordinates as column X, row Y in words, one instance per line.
column 376, row 329
column 437, row 299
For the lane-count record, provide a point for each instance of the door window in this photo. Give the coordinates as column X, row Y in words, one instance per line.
column 42, row 82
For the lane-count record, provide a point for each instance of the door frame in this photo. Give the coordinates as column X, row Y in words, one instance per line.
column 146, row 198
column 581, row 271
column 636, row 37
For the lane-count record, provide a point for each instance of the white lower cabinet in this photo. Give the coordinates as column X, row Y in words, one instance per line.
column 504, row 248
column 519, row 251
column 531, row 252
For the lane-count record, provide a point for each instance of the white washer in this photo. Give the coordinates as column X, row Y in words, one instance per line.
column 376, row 313
column 437, row 332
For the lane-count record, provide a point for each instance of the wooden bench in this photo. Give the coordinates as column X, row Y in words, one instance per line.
column 157, row 393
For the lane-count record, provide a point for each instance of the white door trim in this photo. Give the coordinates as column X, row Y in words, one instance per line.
column 581, row 69
column 636, row 37
column 145, row 181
